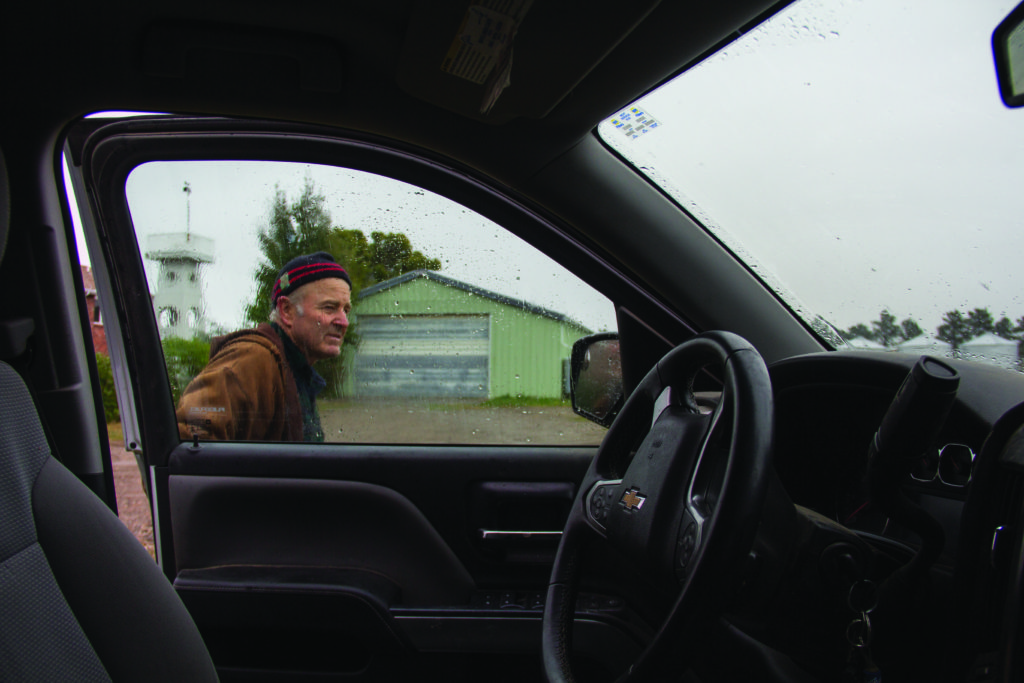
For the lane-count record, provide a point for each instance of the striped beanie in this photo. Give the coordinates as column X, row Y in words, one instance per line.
column 304, row 269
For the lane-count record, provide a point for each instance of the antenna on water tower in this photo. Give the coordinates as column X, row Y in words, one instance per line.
column 188, row 209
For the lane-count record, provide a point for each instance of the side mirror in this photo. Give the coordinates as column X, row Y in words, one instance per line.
column 1008, row 49
column 596, row 378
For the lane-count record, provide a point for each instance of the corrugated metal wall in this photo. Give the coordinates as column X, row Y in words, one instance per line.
column 423, row 355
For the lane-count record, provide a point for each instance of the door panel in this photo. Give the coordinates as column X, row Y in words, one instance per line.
column 457, row 491
column 273, row 523
column 379, row 547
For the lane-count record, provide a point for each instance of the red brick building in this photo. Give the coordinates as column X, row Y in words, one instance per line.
column 99, row 336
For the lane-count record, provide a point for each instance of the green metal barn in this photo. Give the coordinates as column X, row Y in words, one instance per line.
column 426, row 335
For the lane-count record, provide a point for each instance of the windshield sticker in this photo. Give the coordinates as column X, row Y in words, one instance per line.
column 634, row 122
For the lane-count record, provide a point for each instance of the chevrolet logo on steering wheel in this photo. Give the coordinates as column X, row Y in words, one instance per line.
column 632, row 500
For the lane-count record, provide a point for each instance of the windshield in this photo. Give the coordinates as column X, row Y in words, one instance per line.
column 857, row 156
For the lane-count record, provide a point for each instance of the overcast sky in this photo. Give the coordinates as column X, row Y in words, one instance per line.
column 860, row 151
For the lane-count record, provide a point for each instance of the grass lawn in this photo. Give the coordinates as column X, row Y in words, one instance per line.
column 115, row 434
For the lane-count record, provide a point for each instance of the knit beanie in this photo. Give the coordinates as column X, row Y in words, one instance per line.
column 304, row 269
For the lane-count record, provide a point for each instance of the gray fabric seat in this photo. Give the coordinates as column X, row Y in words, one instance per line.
column 80, row 599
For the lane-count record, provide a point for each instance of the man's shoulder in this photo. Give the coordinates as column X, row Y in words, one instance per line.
column 258, row 343
column 263, row 334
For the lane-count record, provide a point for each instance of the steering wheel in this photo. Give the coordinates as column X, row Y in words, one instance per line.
column 684, row 509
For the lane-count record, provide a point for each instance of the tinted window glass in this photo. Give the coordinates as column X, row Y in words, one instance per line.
column 459, row 332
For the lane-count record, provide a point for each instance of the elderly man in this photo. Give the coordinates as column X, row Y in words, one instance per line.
column 260, row 384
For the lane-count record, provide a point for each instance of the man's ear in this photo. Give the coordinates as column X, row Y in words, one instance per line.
column 286, row 312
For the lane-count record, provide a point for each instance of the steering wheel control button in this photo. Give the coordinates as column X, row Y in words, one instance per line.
column 632, row 500
column 685, row 546
column 601, row 499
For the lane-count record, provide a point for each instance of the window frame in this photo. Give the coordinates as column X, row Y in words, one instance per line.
column 110, row 151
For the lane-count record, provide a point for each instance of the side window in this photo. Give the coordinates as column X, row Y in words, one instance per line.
column 455, row 330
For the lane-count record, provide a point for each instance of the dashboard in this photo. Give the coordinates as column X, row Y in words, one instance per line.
column 828, row 408
column 963, row 610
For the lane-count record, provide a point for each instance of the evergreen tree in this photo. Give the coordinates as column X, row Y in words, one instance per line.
column 885, row 330
column 302, row 227
column 1004, row 328
column 955, row 329
column 980, row 321
column 859, row 331
column 910, row 329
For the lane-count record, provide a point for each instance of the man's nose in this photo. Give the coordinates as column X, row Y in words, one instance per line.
column 340, row 320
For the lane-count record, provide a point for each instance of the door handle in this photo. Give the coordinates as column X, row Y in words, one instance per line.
column 498, row 535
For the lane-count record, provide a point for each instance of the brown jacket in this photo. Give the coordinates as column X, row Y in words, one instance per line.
column 245, row 393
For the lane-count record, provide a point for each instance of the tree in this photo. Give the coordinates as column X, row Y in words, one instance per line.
column 910, row 329
column 106, row 373
column 885, row 330
column 185, row 359
column 381, row 257
column 1004, row 328
column 294, row 229
column 955, row 329
column 980, row 321
column 390, row 254
column 860, row 330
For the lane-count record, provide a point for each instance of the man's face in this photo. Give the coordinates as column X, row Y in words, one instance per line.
column 320, row 330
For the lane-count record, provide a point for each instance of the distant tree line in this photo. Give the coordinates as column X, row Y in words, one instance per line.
column 957, row 328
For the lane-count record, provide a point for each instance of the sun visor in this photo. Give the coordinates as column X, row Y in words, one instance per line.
column 496, row 60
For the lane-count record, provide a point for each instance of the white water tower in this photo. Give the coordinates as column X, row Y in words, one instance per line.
column 178, row 300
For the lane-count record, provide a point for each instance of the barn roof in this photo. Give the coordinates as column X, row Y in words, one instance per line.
column 472, row 289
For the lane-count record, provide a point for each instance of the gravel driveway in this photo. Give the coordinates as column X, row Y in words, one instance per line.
column 455, row 423
column 132, row 502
